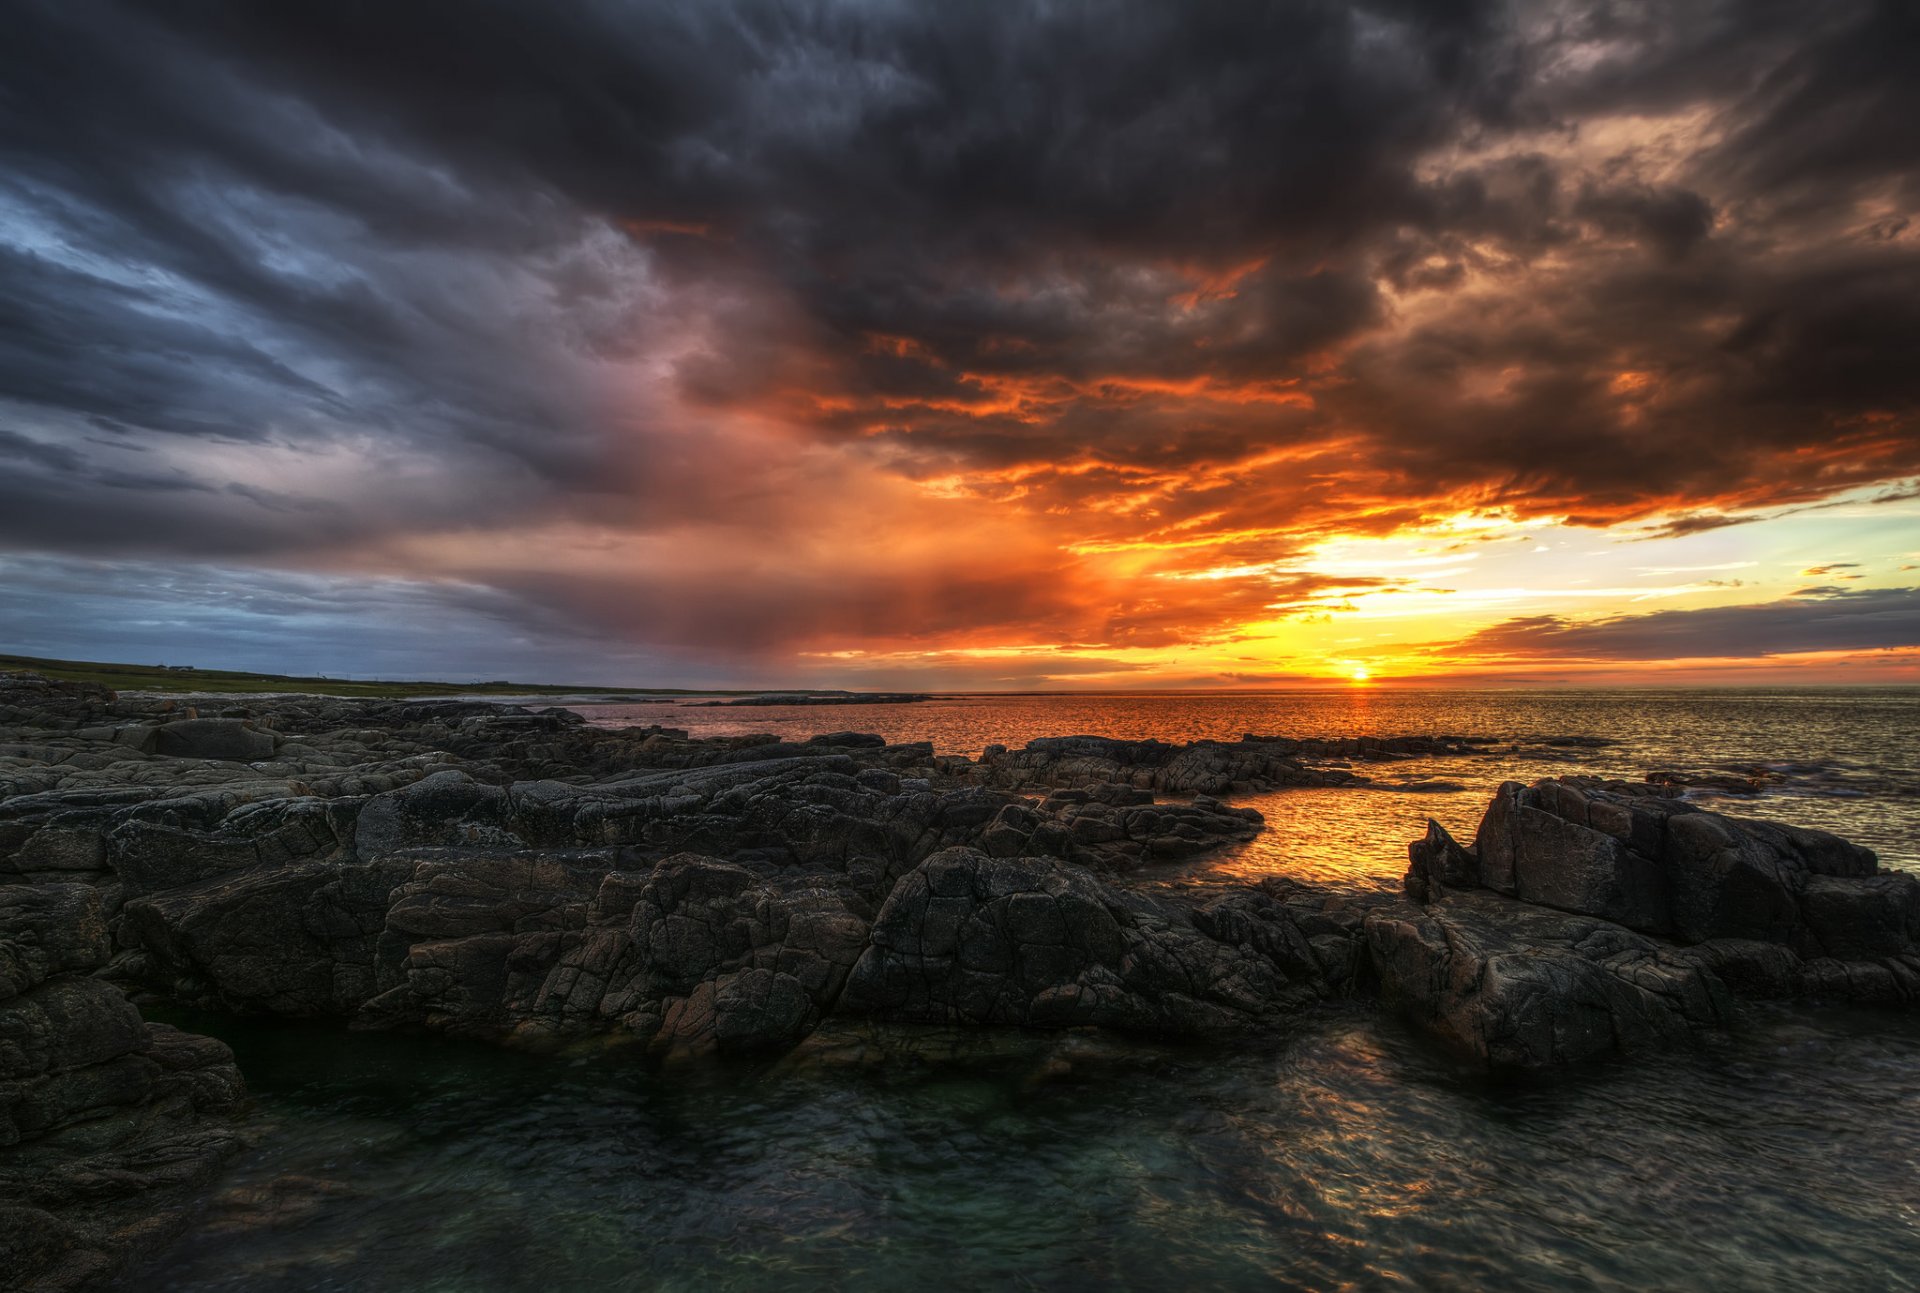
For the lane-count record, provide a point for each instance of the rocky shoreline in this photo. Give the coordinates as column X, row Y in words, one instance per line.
column 517, row 876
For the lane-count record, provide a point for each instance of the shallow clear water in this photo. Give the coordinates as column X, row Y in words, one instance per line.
column 1845, row 760
column 1787, row 1156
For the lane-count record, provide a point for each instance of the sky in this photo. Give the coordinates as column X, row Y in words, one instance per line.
column 965, row 346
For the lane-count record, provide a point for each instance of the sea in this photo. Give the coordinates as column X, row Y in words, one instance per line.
column 1783, row 1154
column 1839, row 759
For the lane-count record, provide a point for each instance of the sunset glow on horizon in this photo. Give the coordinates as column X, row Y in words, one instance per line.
column 934, row 348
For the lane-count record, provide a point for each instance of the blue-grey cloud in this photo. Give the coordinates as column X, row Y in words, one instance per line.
column 1814, row 619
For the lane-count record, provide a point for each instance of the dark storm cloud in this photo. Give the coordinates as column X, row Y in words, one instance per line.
column 1815, row 619
column 197, row 253
column 224, row 617
column 986, row 181
column 1672, row 221
column 969, row 177
column 316, row 279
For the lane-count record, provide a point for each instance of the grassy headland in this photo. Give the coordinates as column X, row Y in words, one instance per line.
column 153, row 677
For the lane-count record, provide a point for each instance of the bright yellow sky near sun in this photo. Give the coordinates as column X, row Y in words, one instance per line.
column 1475, row 571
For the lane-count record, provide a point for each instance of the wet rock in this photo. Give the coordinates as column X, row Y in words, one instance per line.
column 1115, row 828
column 107, row 1123
column 1512, row 986
column 1662, row 865
column 1596, row 919
column 1039, row 943
column 1202, row 768
column 1437, row 863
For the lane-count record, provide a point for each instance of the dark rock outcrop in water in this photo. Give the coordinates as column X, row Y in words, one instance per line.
column 1593, row 919
column 1040, row 943
column 773, row 698
column 1253, row 763
column 493, row 872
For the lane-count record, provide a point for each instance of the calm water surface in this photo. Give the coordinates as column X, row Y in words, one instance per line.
column 1786, row 1156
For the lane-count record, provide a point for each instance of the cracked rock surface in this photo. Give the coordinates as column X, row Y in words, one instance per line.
column 1592, row 919
column 108, row 1123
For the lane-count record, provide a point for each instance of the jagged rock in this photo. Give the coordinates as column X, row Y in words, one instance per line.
column 1666, row 866
column 59, row 851
column 1038, row 943
column 1253, row 763
column 105, row 1120
column 517, row 875
column 1115, row 828
column 1750, row 782
column 297, row 940
column 1514, row 986
column 1202, row 768
column 1859, row 918
column 1437, row 862
column 1592, row 920
column 447, row 808
column 30, row 699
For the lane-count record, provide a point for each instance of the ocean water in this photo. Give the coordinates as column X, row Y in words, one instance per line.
column 1782, row 1155
column 1785, row 1156
column 1840, row 759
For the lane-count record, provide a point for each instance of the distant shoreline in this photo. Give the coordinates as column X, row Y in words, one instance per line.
column 178, row 680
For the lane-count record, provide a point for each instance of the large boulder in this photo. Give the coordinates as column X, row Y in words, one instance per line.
column 1591, row 920
column 447, row 808
column 1666, row 866
column 297, row 940
column 1039, row 943
column 1511, row 986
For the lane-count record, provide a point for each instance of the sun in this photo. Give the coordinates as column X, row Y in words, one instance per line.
column 1360, row 673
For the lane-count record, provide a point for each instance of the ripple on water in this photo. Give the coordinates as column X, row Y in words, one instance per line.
column 1783, row 1157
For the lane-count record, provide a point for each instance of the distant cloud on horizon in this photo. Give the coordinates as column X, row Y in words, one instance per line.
column 1817, row 619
